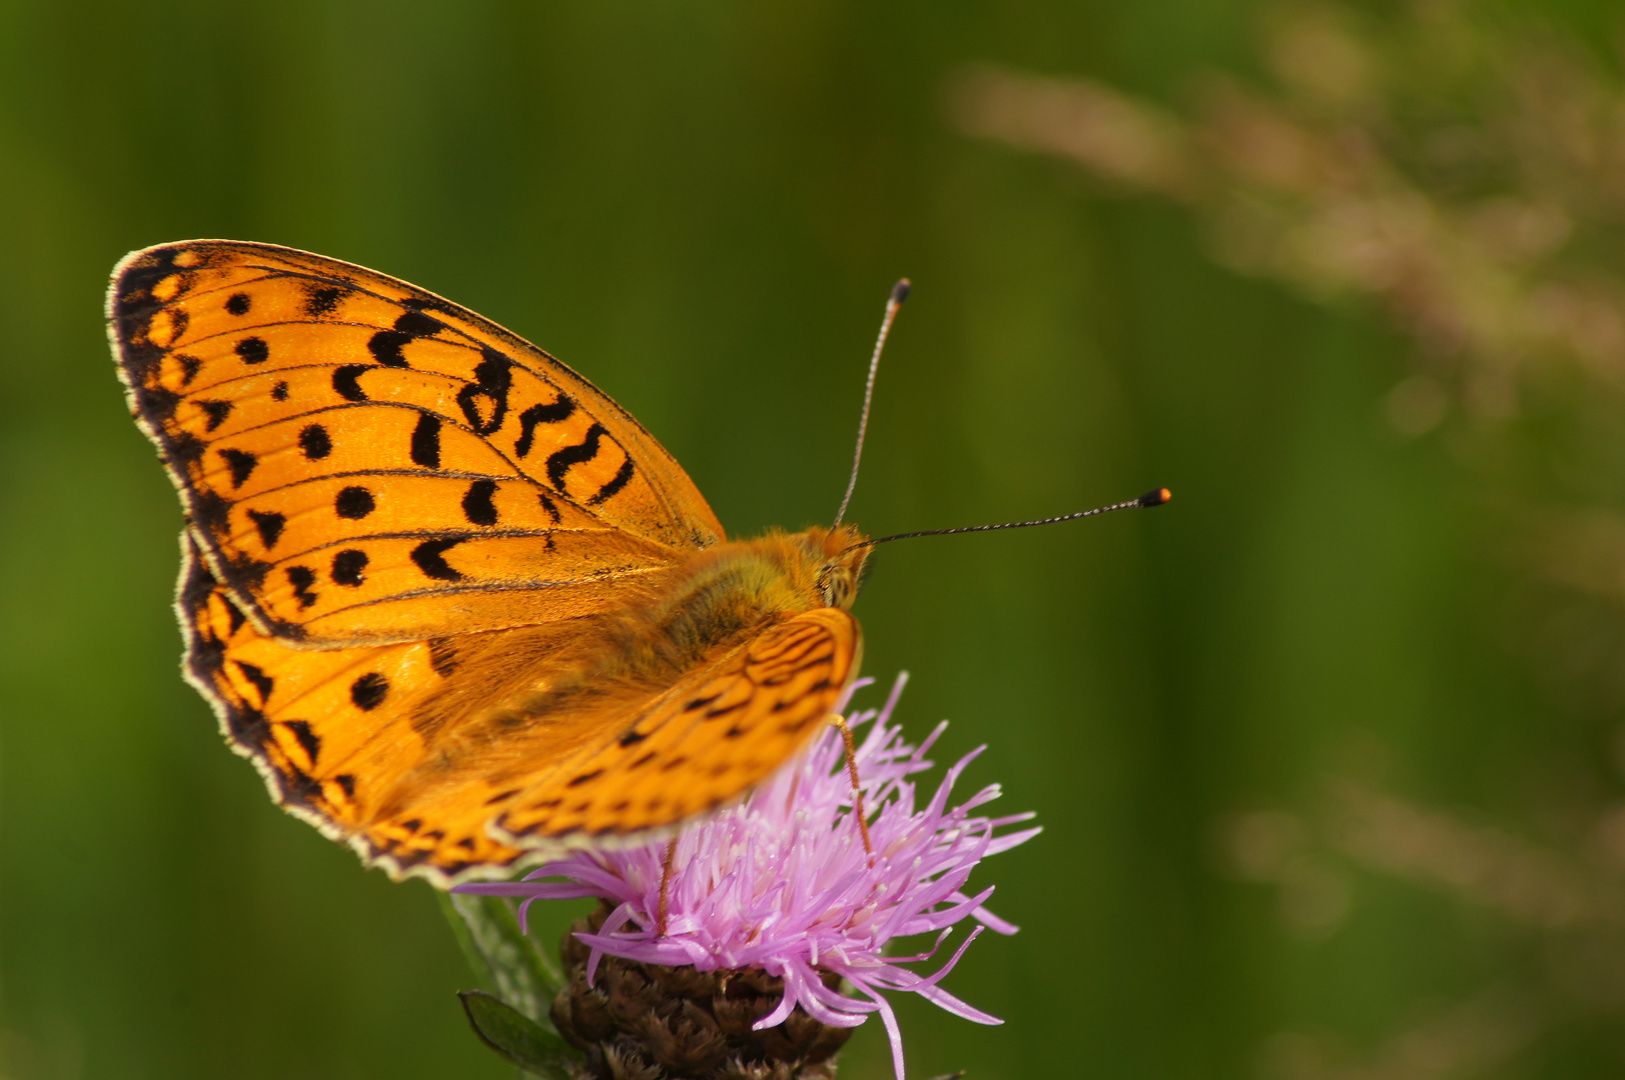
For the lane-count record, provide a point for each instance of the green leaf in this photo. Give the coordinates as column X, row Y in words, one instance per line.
column 502, row 956
column 519, row 1038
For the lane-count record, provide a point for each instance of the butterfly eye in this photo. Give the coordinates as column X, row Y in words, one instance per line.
column 836, row 586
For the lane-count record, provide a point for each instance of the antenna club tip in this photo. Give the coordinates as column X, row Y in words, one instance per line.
column 900, row 291
column 1156, row 498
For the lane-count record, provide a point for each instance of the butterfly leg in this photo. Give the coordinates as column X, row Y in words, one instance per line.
column 857, row 792
column 665, row 884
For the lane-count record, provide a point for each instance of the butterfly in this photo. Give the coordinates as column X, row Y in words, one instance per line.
column 456, row 604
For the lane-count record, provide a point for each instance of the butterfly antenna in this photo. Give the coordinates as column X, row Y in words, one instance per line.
column 1150, row 498
column 899, row 293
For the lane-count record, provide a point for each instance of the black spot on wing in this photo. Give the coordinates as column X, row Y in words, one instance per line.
column 430, row 557
column 262, row 682
column 354, row 503
column 418, row 324
column 217, row 412
column 190, row 366
column 279, row 392
column 369, row 691
column 349, row 567
column 347, row 782
column 238, row 303
column 426, row 441
column 551, row 508
column 252, row 350
column 485, row 401
column 234, row 614
column 270, row 524
column 315, row 443
column 309, row 741
column 550, row 413
column 322, row 300
column 345, row 381
column 241, row 463
column 478, row 506
column 302, row 578
column 560, row 461
column 385, row 347
column 616, row 483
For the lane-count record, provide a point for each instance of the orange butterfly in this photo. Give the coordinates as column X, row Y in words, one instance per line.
column 457, row 605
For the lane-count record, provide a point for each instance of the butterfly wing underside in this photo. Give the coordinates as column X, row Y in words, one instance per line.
column 396, row 509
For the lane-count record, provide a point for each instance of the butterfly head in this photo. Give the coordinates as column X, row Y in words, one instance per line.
column 843, row 557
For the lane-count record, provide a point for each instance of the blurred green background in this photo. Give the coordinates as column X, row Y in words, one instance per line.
column 1305, row 743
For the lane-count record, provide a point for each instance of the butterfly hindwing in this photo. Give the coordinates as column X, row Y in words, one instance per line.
column 351, row 739
column 325, row 727
column 721, row 730
column 367, row 462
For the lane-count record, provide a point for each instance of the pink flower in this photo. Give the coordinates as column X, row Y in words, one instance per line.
column 782, row 881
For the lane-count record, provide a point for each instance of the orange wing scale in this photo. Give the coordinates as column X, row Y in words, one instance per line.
column 399, row 515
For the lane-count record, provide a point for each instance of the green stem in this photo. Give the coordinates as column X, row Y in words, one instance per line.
column 502, row 956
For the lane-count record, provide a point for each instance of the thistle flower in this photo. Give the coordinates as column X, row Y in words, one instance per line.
column 788, row 884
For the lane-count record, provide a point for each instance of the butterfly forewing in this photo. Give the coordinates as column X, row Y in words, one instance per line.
column 367, row 462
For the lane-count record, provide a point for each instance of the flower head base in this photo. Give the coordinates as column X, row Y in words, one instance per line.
column 786, row 882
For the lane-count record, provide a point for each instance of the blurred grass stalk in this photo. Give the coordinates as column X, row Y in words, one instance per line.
column 1570, row 901
column 1463, row 171
column 1467, row 175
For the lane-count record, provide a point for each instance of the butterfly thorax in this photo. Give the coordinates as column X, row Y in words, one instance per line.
column 732, row 588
